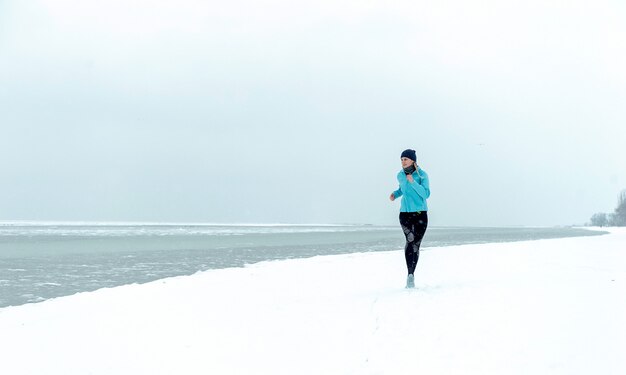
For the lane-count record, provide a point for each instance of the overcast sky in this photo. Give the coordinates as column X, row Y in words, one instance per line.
column 297, row 111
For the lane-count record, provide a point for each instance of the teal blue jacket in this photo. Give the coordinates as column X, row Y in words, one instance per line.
column 414, row 194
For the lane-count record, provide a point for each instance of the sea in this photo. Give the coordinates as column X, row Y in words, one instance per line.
column 42, row 261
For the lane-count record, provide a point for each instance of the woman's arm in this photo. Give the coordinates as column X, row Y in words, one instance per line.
column 422, row 188
column 397, row 193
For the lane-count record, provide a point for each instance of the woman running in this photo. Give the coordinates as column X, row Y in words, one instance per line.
column 414, row 190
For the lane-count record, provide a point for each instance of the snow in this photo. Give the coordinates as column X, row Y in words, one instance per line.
column 552, row 306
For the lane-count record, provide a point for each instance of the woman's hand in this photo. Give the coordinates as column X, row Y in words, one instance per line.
column 392, row 198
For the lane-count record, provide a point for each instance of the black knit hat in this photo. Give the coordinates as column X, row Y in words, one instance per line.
column 409, row 154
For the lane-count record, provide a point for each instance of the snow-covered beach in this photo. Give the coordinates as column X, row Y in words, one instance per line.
column 554, row 306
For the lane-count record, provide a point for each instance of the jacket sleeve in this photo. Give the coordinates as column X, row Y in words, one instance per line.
column 422, row 188
column 397, row 193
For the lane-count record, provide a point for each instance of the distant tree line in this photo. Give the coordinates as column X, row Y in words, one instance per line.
column 615, row 219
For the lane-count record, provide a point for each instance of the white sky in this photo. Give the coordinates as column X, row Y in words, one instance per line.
column 278, row 111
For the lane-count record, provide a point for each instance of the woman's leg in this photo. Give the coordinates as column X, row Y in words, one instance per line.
column 406, row 221
column 414, row 227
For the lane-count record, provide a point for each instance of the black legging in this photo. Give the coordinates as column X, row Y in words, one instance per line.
column 414, row 226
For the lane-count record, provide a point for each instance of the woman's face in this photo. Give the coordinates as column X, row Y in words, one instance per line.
column 406, row 162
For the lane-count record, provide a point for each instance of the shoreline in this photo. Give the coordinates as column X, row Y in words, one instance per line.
column 136, row 263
